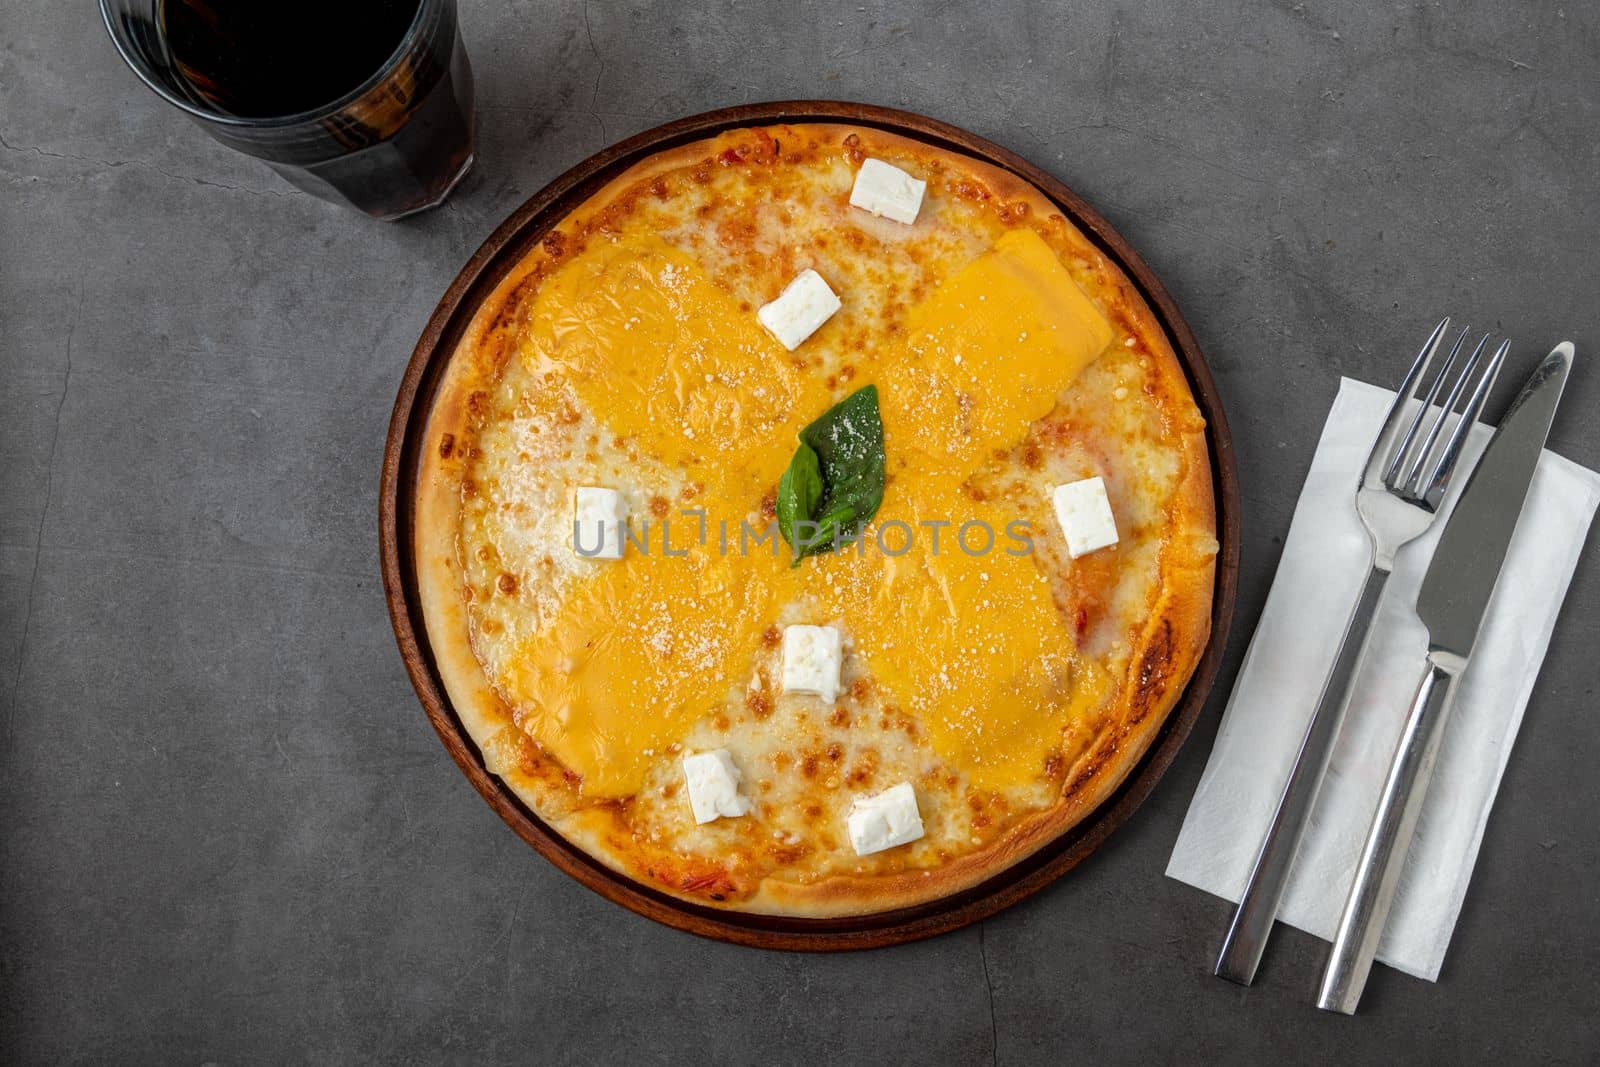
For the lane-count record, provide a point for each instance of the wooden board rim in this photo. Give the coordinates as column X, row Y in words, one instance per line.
column 503, row 248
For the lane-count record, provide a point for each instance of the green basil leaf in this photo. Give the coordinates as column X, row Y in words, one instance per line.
column 848, row 440
column 824, row 535
column 846, row 448
column 799, row 493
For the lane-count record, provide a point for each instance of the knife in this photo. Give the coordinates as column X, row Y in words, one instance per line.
column 1455, row 592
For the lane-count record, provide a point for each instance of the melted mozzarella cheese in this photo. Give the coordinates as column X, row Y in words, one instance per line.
column 984, row 357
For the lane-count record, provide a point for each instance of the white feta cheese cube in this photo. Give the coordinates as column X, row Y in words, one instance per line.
column 712, row 780
column 713, row 783
column 805, row 304
column 1084, row 511
column 599, row 517
column 884, row 821
column 812, row 656
column 886, row 190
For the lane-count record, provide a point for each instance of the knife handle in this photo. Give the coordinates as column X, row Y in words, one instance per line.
column 1269, row 875
column 1366, row 909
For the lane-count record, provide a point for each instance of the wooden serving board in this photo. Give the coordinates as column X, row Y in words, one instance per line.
column 504, row 248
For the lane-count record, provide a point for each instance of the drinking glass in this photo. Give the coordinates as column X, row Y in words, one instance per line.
column 396, row 144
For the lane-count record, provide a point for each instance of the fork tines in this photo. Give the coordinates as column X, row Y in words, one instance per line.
column 1420, row 464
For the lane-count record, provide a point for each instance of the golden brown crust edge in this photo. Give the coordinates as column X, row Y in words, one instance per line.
column 1163, row 656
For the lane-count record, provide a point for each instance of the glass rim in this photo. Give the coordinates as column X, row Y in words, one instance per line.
column 321, row 111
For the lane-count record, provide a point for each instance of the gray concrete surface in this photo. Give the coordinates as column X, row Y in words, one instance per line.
column 227, row 832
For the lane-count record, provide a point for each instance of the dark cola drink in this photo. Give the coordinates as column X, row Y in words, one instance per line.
column 366, row 102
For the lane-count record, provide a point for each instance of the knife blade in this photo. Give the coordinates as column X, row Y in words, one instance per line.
column 1466, row 563
column 1455, row 594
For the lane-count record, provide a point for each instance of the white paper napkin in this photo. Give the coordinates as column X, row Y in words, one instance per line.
column 1319, row 576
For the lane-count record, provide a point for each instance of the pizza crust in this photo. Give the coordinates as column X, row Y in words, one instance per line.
column 1159, row 664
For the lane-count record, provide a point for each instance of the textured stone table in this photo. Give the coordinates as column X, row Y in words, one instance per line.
column 227, row 832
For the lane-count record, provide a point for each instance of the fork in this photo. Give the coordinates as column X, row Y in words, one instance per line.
column 1407, row 473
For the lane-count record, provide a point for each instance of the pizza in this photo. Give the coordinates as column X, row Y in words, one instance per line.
column 814, row 522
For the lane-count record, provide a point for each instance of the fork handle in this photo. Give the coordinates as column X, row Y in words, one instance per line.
column 1258, row 905
column 1366, row 909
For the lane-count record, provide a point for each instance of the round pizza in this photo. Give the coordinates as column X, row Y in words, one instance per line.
column 814, row 522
